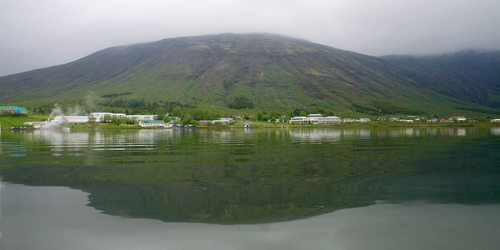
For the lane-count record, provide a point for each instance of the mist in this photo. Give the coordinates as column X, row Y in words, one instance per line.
column 35, row 34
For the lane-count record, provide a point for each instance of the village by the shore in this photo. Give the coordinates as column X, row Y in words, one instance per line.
column 97, row 119
column 152, row 121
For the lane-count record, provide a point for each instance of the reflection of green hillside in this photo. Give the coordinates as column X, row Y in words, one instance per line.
column 246, row 199
column 269, row 175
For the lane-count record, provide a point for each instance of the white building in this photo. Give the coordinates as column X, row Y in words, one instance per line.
column 142, row 117
column 99, row 116
column 153, row 123
column 223, row 121
column 72, row 119
column 64, row 120
column 315, row 120
column 174, row 119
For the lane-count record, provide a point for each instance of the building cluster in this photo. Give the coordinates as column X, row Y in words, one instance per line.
column 12, row 110
column 152, row 120
column 223, row 121
column 102, row 116
column 315, row 119
column 319, row 119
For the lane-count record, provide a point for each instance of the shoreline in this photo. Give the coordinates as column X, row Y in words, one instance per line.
column 134, row 127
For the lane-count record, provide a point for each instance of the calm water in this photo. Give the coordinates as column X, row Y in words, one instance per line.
column 401, row 188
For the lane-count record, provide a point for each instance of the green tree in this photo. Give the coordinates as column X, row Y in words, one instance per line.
column 240, row 102
column 118, row 110
column 188, row 119
column 260, row 116
column 289, row 114
column 107, row 109
column 160, row 111
column 177, row 111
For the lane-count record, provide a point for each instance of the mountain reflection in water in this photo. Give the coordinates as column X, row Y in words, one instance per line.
column 237, row 176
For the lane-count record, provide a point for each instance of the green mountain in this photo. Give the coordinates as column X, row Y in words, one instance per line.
column 261, row 72
column 466, row 75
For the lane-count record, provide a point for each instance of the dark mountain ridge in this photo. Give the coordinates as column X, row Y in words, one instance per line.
column 469, row 74
column 272, row 72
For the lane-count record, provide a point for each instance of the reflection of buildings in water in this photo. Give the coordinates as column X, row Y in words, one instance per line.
column 315, row 135
column 395, row 133
column 354, row 133
column 88, row 143
column 461, row 132
column 97, row 140
column 495, row 131
column 348, row 133
column 447, row 131
column 418, row 132
column 222, row 136
column 365, row 133
column 62, row 140
column 381, row 134
column 432, row 131
column 249, row 131
column 454, row 131
column 149, row 136
column 408, row 132
column 412, row 132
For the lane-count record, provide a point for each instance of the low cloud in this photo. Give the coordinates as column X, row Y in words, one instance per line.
column 36, row 34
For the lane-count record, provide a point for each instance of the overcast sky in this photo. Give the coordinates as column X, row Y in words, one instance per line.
column 42, row 33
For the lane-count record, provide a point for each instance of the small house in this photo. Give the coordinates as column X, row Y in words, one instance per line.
column 459, row 118
column 13, row 109
column 248, row 124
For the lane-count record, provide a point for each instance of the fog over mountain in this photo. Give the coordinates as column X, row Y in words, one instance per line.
column 36, row 34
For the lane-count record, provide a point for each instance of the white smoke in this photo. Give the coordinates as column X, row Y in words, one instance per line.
column 91, row 101
column 70, row 111
column 53, row 121
column 57, row 111
column 75, row 111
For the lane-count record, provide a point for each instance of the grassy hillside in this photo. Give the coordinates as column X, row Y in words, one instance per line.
column 467, row 75
column 236, row 73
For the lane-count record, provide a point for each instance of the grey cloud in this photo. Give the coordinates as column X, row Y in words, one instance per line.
column 37, row 34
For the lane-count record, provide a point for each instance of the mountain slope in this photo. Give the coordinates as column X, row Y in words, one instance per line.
column 467, row 75
column 269, row 72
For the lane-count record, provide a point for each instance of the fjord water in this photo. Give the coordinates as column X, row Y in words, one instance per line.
column 338, row 188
